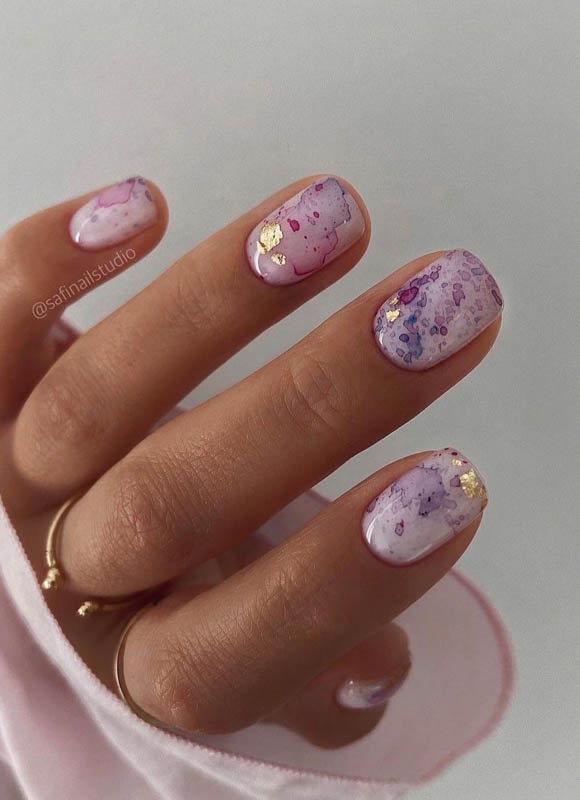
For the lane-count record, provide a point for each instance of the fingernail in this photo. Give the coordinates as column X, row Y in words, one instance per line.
column 424, row 508
column 438, row 311
column 305, row 234
column 358, row 694
column 114, row 215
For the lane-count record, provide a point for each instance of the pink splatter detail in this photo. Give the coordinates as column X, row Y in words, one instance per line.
column 458, row 293
column 408, row 295
column 116, row 195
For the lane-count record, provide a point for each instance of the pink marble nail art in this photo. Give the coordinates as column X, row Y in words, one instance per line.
column 424, row 508
column 305, row 234
column 359, row 695
column 438, row 311
column 116, row 214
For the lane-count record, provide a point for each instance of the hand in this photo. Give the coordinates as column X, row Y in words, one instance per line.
column 300, row 634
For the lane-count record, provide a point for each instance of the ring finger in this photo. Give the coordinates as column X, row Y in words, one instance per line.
column 214, row 474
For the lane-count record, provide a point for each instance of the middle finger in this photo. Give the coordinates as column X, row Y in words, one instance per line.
column 214, row 474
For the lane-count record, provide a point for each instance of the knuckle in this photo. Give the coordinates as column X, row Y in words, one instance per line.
column 168, row 690
column 143, row 518
column 209, row 678
column 189, row 305
column 314, row 397
column 61, row 414
column 291, row 598
column 189, row 686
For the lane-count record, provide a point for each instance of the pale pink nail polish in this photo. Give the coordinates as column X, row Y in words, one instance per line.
column 114, row 215
column 305, row 234
column 438, row 311
column 359, row 695
column 424, row 508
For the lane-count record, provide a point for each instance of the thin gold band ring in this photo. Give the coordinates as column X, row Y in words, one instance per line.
column 55, row 577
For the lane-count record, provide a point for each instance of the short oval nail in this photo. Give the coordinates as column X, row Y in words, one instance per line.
column 357, row 695
column 113, row 216
column 438, row 311
column 424, row 508
column 305, row 233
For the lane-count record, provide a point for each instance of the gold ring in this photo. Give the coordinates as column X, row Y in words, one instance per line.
column 55, row 577
column 120, row 676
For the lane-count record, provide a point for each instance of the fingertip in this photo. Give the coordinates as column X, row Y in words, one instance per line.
column 131, row 213
column 322, row 227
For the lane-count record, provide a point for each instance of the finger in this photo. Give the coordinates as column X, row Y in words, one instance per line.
column 229, row 657
column 43, row 269
column 91, row 408
column 216, row 473
column 347, row 700
column 362, row 681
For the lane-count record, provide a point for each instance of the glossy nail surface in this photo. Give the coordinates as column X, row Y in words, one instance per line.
column 438, row 311
column 305, row 234
column 424, row 508
column 114, row 215
column 358, row 694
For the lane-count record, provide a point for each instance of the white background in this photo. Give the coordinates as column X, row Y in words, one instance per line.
column 459, row 124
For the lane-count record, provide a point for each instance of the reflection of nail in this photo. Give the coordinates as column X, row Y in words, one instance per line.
column 114, row 215
column 359, row 694
column 424, row 508
column 305, row 233
column 438, row 311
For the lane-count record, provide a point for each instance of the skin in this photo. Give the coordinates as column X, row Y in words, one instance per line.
column 277, row 637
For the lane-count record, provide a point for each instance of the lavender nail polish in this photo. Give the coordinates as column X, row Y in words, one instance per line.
column 424, row 508
column 359, row 695
column 438, row 311
column 114, row 215
column 305, row 234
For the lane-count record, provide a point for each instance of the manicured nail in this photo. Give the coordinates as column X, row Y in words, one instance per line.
column 359, row 695
column 424, row 508
column 437, row 312
column 305, row 234
column 114, row 215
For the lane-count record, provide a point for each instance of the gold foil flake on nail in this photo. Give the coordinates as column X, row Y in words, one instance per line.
column 456, row 462
column 270, row 236
column 278, row 258
column 471, row 485
column 392, row 315
column 394, row 300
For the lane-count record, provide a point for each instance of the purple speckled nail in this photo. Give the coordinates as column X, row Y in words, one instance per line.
column 438, row 311
column 305, row 234
column 114, row 215
column 424, row 508
column 358, row 695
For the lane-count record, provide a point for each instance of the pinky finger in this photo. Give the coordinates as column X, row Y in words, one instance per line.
column 349, row 698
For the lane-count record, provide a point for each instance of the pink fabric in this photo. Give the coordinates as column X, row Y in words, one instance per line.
column 63, row 734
